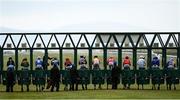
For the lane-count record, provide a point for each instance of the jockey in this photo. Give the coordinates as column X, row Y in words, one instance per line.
column 171, row 63
column 39, row 63
column 55, row 62
column 68, row 64
column 82, row 62
column 127, row 63
column 111, row 62
column 25, row 64
column 141, row 62
column 10, row 64
column 155, row 62
column 96, row 62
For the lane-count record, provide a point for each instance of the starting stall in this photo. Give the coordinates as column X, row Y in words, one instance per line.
column 158, row 51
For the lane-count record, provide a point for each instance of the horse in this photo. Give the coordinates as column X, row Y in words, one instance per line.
column 171, row 78
column 24, row 79
column 39, row 79
column 10, row 80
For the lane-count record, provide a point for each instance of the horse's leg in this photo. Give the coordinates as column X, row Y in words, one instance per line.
column 86, row 86
column 7, row 87
column 174, row 86
column 11, row 87
column 52, row 87
column 94, row 86
column 152, row 83
column 40, row 87
column 65, row 87
column 21, row 87
column 36, row 88
column 142, row 86
column 100, row 86
column 76, row 86
column 27, row 87
column 82, row 86
column 170, row 86
column 159, row 86
column 57, row 86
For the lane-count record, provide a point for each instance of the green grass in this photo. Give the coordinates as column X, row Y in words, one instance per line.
column 133, row 93
column 91, row 94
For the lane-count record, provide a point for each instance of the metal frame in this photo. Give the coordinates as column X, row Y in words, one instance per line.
column 149, row 46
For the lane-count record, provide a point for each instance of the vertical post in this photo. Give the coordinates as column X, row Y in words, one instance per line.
column 134, row 58
column 90, row 58
column 1, row 62
column 45, row 59
column 31, row 59
column 178, row 55
column 1, row 59
column 105, row 57
column 149, row 58
column 163, row 57
column 120, row 58
column 61, row 58
column 16, row 58
column 75, row 57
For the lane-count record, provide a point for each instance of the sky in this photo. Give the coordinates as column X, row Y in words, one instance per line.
column 89, row 15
